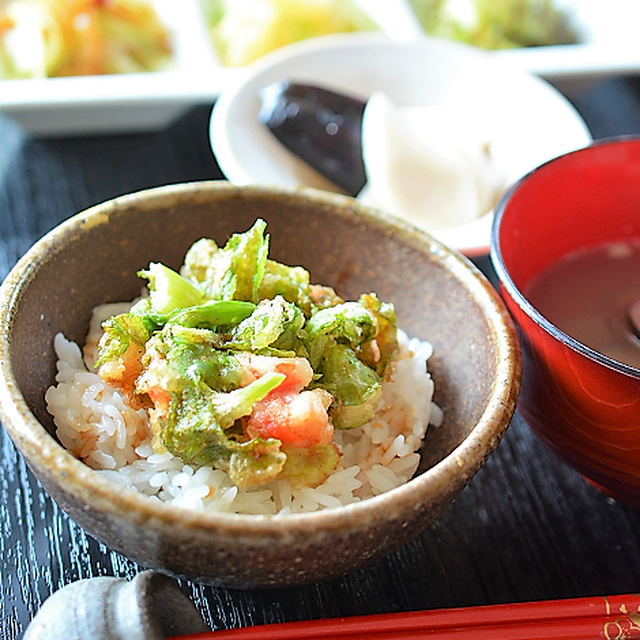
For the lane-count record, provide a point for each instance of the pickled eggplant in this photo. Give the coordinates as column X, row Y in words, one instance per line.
column 321, row 127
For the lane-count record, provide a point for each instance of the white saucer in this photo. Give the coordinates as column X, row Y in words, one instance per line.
column 532, row 121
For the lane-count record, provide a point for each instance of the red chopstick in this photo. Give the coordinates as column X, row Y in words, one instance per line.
column 571, row 619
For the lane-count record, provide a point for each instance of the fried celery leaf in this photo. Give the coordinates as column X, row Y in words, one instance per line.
column 292, row 283
column 233, row 272
column 199, row 362
column 310, row 467
column 195, row 430
column 274, row 324
column 200, row 263
column 348, row 322
column 242, row 271
column 248, row 253
column 355, row 387
column 119, row 332
column 323, row 296
column 212, row 314
column 256, row 462
column 379, row 355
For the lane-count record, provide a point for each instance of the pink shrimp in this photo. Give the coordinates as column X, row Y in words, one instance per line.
column 298, row 371
column 123, row 372
column 295, row 417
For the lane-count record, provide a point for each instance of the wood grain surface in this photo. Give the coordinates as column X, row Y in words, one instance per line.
column 527, row 528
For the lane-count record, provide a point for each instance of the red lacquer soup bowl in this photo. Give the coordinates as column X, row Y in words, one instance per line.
column 584, row 405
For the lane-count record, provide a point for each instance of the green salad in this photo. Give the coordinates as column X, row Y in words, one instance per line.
column 496, row 24
column 51, row 38
column 245, row 365
column 244, row 30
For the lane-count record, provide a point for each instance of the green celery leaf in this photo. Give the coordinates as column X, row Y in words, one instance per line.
column 274, row 323
column 195, row 431
column 348, row 321
column 355, row 387
column 119, row 332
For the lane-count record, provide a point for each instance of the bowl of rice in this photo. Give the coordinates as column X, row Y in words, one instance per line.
column 442, row 401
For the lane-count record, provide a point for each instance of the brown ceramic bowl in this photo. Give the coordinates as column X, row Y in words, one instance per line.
column 93, row 258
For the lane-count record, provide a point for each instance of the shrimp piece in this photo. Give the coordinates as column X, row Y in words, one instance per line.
column 123, row 372
column 161, row 399
column 297, row 419
column 298, row 371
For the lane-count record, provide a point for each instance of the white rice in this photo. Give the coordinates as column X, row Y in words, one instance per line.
column 96, row 425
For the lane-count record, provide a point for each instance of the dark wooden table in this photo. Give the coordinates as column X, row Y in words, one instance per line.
column 527, row 528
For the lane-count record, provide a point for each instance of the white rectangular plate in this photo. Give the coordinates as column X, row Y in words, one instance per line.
column 609, row 45
column 143, row 102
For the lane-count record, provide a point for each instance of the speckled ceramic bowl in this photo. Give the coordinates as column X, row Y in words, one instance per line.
column 93, row 258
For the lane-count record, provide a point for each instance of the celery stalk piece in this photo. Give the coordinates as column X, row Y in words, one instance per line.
column 213, row 314
column 168, row 290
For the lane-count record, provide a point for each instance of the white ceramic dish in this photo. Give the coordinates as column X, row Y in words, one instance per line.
column 531, row 121
column 70, row 106
column 123, row 102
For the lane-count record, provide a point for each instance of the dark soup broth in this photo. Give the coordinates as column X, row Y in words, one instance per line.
column 588, row 295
